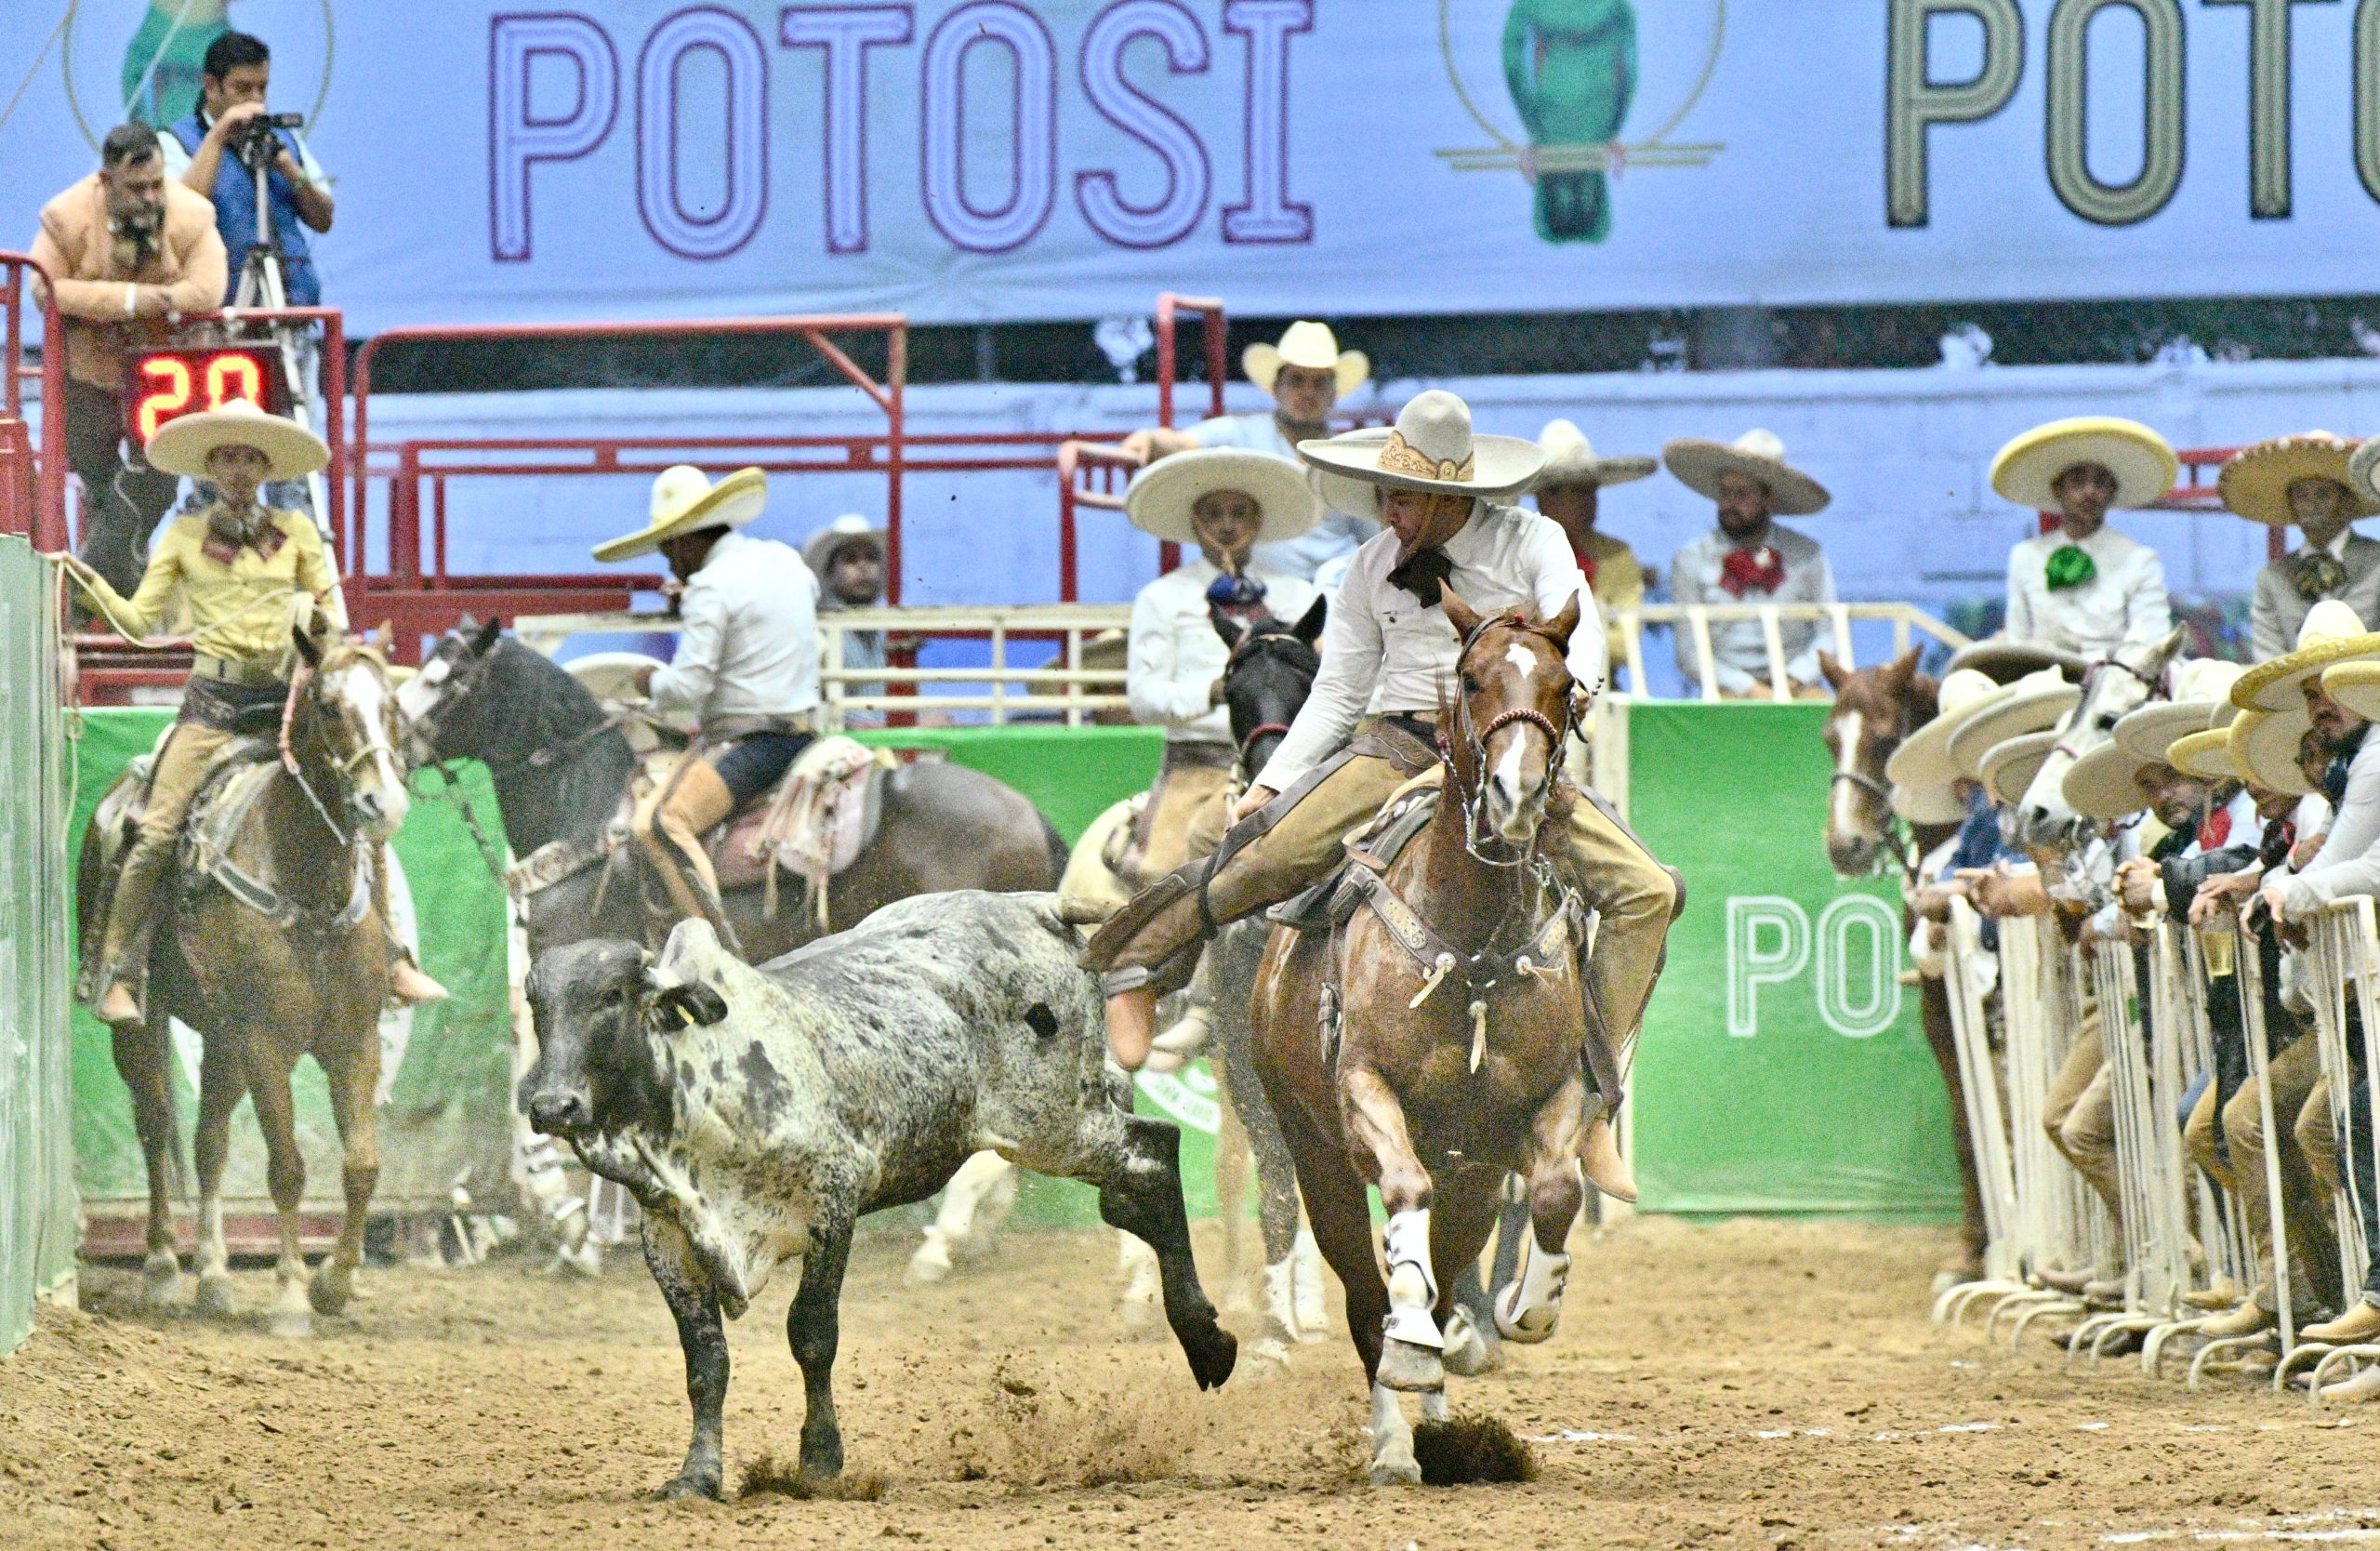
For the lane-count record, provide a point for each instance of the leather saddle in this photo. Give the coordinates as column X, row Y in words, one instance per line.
column 1326, row 905
column 813, row 824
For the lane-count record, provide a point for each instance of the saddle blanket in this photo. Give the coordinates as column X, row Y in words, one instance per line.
column 816, row 822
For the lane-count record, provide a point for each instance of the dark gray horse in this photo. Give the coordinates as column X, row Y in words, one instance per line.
column 561, row 769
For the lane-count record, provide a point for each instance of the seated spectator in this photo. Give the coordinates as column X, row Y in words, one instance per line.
column 1748, row 559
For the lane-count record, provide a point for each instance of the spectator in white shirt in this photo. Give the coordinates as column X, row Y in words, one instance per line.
column 2086, row 588
column 1748, row 559
column 2305, row 480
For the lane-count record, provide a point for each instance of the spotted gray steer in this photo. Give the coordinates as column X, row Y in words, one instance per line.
column 756, row 1114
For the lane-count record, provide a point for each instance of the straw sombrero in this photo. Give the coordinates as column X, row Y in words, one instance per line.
column 2255, row 482
column 1757, row 455
column 1430, row 448
column 181, row 445
column 2363, row 470
column 1570, row 460
column 2006, row 661
column 2036, row 704
column 684, row 502
column 1313, row 346
column 2206, row 753
column 2144, row 466
column 2332, row 634
column 818, row 552
column 2355, row 686
column 1163, row 494
column 1923, row 762
column 2009, row 766
column 2263, row 747
column 2104, row 783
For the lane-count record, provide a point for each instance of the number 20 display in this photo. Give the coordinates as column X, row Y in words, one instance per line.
column 168, row 384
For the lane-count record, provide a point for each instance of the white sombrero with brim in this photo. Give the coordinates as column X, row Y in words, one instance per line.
column 181, row 446
column 2009, row 766
column 2355, row 686
column 1570, row 460
column 2255, row 482
column 2039, row 702
column 2144, row 466
column 1163, row 494
column 2206, row 754
column 2006, row 661
column 2332, row 635
column 684, row 502
column 819, row 550
column 1431, row 448
column 1311, row 346
column 2363, row 470
column 2264, row 748
column 1923, row 762
column 1758, row 456
column 2104, row 784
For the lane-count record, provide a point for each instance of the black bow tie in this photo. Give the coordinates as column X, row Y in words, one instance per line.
column 1424, row 573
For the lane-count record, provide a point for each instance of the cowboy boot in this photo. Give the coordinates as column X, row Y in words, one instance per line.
column 124, row 950
column 1600, row 1156
column 2250, row 1319
column 408, row 984
column 2354, row 1328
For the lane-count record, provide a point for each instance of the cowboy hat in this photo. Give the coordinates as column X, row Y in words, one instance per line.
column 2355, row 686
column 2363, row 470
column 2255, row 482
column 1923, row 762
column 819, row 550
column 2144, row 466
column 181, row 446
column 1570, row 460
column 684, row 502
column 2331, row 635
column 2008, row 767
column 2206, row 754
column 2037, row 703
column 2006, row 661
column 1313, row 346
column 2104, row 783
column 1430, row 448
column 1756, row 454
column 2264, row 748
column 1163, row 494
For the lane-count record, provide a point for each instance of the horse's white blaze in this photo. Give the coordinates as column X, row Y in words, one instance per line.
column 367, row 694
column 419, row 693
column 1849, row 726
column 1524, row 661
column 1508, row 769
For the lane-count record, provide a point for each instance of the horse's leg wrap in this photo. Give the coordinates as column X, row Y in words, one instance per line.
column 1413, row 1285
column 1527, row 1309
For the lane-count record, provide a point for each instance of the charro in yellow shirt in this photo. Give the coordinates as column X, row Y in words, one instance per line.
column 242, row 596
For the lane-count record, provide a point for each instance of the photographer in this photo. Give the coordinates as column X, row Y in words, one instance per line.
column 126, row 250
column 217, row 150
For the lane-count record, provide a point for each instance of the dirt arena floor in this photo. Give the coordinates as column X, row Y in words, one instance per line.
column 1750, row 1383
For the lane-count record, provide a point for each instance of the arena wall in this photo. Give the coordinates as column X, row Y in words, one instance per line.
column 37, row 1201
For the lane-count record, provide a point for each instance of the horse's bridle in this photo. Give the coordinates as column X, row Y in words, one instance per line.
column 1240, row 654
column 2154, row 683
column 1900, row 847
column 303, row 683
column 1474, row 801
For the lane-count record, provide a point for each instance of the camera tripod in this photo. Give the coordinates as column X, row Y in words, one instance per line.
column 264, row 285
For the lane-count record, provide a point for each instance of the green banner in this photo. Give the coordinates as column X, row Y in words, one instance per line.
column 1783, row 1066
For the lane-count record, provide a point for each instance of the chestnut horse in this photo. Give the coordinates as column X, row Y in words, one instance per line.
column 1875, row 711
column 1432, row 1043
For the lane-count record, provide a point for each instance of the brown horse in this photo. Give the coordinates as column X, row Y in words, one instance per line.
column 271, row 948
column 1875, row 711
column 1450, row 1015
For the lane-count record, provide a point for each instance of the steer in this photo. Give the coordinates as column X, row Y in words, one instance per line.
column 756, row 1113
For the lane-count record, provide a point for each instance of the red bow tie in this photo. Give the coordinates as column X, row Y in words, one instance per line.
column 1586, row 567
column 2214, row 830
column 1746, row 570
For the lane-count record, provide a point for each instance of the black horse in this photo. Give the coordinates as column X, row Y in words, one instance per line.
column 562, row 769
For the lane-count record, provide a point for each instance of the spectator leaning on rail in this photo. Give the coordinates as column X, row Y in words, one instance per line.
column 127, row 252
column 1748, row 559
column 1570, row 491
column 202, row 152
column 1307, row 374
column 747, row 667
column 2086, row 588
column 246, row 571
column 847, row 556
column 2305, row 480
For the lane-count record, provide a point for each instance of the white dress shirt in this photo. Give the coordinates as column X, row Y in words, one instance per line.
column 2124, row 601
column 1176, row 655
column 750, row 646
column 1741, row 646
column 1381, row 650
column 1335, row 536
column 2348, row 862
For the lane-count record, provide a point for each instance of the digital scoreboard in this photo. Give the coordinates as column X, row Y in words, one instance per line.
column 165, row 384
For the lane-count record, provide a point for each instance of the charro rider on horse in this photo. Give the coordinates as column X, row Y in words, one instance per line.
column 745, row 667
column 249, row 571
column 1388, row 646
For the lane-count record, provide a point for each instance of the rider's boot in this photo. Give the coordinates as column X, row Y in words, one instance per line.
column 670, row 828
column 1132, row 1026
column 1599, row 1155
column 408, row 984
column 125, row 950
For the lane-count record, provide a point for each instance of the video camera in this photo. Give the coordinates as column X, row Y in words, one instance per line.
column 256, row 139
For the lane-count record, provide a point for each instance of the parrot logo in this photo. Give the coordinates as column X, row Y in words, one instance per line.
column 1571, row 70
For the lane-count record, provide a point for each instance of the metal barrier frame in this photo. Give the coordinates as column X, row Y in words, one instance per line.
column 41, row 486
column 1907, row 620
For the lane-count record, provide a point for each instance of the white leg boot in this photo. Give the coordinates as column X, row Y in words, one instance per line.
column 1313, row 1303
column 1527, row 1309
column 1410, row 1358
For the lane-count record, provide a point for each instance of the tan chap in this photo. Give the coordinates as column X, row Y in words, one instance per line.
column 2293, row 1074
column 670, row 822
column 180, row 770
column 2071, row 1094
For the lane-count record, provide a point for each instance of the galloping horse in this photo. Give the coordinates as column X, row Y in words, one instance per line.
column 562, row 768
column 1432, row 1043
column 271, row 949
column 1875, row 711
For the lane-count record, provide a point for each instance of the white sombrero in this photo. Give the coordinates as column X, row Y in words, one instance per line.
column 2144, row 466
column 1756, row 454
column 2009, row 766
column 1164, row 493
column 2206, row 753
column 1313, row 346
column 819, row 550
column 2104, row 783
column 181, row 445
column 1430, row 448
column 684, row 502
column 2332, row 635
column 2263, row 747
column 2006, row 661
column 1570, row 460
column 2037, row 703
column 2363, row 470
column 2255, row 482
column 1923, row 762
